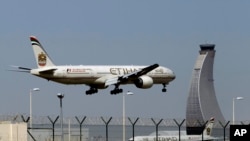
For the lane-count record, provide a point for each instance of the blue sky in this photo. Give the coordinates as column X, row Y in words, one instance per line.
column 124, row 33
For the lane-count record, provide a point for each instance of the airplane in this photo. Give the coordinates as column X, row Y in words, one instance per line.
column 97, row 77
column 174, row 135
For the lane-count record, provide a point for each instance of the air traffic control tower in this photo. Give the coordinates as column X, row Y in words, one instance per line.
column 202, row 103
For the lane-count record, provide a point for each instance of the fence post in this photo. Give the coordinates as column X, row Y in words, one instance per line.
column 80, row 122
column 53, row 126
column 106, row 123
column 14, row 119
column 179, row 126
column 133, row 126
column 224, row 129
column 202, row 125
column 156, row 124
column 27, row 120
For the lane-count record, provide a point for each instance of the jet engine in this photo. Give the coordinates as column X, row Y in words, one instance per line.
column 144, row 82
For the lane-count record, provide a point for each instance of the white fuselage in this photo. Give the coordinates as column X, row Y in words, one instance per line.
column 97, row 75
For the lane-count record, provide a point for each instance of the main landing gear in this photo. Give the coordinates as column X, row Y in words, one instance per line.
column 164, row 88
column 116, row 90
column 92, row 90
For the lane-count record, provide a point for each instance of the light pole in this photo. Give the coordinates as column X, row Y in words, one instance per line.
column 237, row 98
column 123, row 115
column 31, row 90
column 60, row 96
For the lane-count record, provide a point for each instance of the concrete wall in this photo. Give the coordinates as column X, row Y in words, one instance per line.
column 11, row 131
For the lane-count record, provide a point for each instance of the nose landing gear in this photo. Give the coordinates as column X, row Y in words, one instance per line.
column 164, row 88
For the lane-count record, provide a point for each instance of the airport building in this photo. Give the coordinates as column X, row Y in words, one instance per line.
column 202, row 102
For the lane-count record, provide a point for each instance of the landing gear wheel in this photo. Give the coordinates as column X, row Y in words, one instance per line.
column 120, row 90
column 164, row 88
column 91, row 91
column 116, row 91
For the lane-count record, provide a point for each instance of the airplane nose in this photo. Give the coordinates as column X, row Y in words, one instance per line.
column 172, row 75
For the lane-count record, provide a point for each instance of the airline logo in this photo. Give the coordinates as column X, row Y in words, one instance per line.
column 42, row 59
column 208, row 131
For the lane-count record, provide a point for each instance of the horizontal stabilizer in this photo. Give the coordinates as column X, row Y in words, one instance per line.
column 22, row 68
column 27, row 71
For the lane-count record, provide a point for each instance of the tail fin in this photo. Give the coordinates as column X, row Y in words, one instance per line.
column 208, row 130
column 42, row 58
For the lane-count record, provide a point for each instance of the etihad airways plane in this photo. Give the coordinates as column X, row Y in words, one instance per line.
column 98, row 77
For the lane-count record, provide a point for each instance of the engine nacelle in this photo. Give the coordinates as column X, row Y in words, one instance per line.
column 100, row 83
column 144, row 82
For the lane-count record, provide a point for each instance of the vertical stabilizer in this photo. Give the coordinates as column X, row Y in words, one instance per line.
column 208, row 130
column 42, row 58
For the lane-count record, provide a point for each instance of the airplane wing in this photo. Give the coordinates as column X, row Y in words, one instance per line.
column 133, row 75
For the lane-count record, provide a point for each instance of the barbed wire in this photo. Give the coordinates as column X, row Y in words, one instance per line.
column 115, row 120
